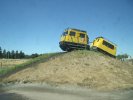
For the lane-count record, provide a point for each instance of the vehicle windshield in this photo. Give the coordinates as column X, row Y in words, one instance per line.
column 64, row 33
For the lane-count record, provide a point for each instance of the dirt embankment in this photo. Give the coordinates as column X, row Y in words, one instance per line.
column 83, row 68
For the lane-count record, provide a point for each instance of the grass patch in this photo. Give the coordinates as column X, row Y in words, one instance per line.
column 6, row 70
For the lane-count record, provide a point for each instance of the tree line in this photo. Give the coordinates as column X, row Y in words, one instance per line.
column 122, row 57
column 15, row 54
column 125, row 57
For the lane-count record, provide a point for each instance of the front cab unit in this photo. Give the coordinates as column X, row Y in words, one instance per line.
column 72, row 39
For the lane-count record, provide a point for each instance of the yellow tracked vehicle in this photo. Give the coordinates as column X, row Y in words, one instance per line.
column 103, row 45
column 72, row 39
column 75, row 39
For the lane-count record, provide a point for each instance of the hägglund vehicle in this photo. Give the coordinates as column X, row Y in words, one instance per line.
column 72, row 39
column 75, row 39
column 103, row 45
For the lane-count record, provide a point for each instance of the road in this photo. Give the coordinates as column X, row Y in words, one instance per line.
column 43, row 92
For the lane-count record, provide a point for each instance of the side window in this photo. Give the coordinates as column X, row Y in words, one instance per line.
column 82, row 35
column 108, row 45
column 72, row 33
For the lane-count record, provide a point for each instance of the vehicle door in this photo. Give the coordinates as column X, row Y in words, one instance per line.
column 72, row 35
column 82, row 38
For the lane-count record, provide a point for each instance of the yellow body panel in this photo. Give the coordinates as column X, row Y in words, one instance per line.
column 100, row 43
column 74, row 39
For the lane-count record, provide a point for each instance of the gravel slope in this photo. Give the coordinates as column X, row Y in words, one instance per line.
column 83, row 68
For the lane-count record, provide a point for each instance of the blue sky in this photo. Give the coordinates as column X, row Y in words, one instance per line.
column 35, row 26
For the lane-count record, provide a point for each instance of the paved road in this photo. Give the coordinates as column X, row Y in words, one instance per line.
column 37, row 92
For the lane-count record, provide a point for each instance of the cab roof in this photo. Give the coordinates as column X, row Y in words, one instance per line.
column 107, row 40
column 75, row 30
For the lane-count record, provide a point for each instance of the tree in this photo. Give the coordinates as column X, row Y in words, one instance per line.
column 8, row 55
column 34, row 55
column 17, row 55
column 125, row 56
column 1, row 52
column 122, row 57
column 4, row 53
column 21, row 55
column 13, row 54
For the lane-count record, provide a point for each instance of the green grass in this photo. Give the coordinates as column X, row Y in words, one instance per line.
column 6, row 70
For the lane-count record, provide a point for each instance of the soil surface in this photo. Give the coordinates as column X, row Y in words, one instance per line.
column 46, row 92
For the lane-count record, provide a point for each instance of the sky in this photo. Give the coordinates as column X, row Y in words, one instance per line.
column 35, row 26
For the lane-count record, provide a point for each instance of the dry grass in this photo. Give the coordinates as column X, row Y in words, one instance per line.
column 83, row 68
column 11, row 62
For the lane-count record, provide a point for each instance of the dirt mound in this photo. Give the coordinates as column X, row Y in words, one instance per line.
column 84, row 68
